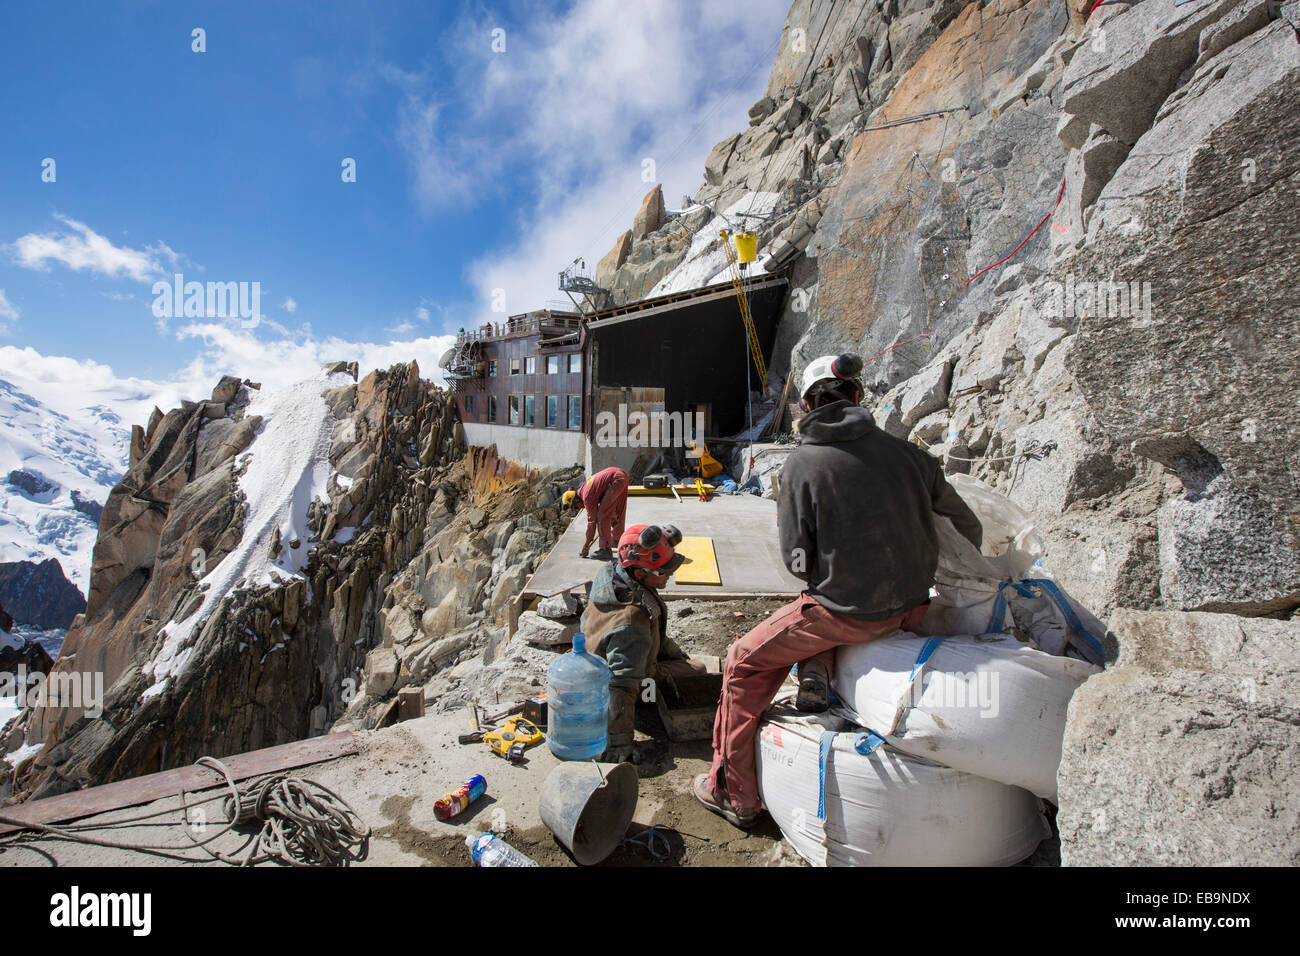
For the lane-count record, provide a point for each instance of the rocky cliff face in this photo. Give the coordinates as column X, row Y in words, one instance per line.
column 272, row 562
column 1061, row 236
column 1064, row 241
column 239, row 564
column 38, row 594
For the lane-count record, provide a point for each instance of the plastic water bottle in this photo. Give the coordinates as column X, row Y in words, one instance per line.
column 488, row 849
column 577, row 692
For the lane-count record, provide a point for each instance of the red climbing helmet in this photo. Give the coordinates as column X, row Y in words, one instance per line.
column 651, row 548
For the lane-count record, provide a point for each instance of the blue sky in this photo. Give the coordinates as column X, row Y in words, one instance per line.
column 477, row 168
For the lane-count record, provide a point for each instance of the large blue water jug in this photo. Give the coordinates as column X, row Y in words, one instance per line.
column 577, row 701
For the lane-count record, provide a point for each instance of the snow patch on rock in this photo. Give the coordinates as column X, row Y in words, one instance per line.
column 288, row 470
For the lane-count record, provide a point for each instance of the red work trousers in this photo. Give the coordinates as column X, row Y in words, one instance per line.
column 756, row 666
column 606, row 513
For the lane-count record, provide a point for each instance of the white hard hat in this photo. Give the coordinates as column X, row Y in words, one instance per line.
column 837, row 367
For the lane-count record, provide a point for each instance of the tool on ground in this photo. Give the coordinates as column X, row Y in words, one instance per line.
column 455, row 801
column 699, row 486
column 535, row 710
column 497, row 718
column 675, row 494
column 476, row 731
column 516, row 736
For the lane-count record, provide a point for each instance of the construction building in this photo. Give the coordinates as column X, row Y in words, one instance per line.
column 554, row 388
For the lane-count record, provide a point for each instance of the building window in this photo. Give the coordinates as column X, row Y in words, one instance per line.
column 552, row 365
column 514, row 366
column 552, row 411
column 514, row 409
column 575, row 362
column 528, row 410
column 469, row 403
column 492, row 408
column 530, row 365
column 575, row 411
column 492, row 369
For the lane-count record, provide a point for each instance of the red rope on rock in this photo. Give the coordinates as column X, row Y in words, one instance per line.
column 923, row 335
column 1059, row 194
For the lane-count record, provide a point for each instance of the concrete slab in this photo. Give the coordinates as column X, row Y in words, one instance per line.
column 743, row 529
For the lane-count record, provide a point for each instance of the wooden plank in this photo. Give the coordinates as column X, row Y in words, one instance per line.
column 690, row 489
column 702, row 564
column 781, row 408
column 169, row 783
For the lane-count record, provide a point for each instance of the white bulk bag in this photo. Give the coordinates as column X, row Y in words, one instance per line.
column 1002, row 586
column 884, row 808
column 987, row 705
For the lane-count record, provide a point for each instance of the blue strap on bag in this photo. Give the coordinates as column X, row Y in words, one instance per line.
column 1088, row 643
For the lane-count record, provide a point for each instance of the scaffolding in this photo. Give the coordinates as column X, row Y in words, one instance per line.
column 463, row 364
column 577, row 278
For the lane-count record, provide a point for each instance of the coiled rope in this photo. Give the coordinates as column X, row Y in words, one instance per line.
column 304, row 823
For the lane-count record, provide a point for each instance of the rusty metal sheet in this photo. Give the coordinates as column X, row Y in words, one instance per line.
column 169, row 783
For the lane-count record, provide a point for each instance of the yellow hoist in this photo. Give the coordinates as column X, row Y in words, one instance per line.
column 739, row 258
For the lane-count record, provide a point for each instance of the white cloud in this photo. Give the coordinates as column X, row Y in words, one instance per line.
column 422, row 314
column 401, row 329
column 67, row 384
column 7, row 310
column 81, row 249
column 290, row 305
column 234, row 351
column 568, row 115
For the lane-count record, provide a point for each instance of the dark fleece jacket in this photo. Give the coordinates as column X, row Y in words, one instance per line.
column 855, row 513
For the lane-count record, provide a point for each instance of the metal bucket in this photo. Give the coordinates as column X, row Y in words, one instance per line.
column 588, row 808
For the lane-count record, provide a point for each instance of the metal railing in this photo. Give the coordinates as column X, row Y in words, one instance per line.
column 531, row 324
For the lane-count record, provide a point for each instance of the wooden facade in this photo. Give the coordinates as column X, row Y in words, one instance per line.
column 532, row 374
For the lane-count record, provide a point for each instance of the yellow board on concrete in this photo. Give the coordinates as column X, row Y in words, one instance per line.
column 667, row 493
column 702, row 564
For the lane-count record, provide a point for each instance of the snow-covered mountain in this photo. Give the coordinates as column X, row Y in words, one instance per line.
column 56, row 471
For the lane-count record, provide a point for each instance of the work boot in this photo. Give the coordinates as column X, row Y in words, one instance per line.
column 604, row 554
column 814, row 692
column 721, row 805
column 622, row 720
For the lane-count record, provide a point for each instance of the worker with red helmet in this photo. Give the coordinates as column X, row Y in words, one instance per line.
column 604, row 495
column 626, row 624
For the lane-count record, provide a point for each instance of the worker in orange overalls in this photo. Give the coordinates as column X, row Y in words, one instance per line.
column 604, row 495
